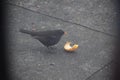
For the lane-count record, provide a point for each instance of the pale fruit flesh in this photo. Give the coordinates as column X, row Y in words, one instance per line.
column 70, row 48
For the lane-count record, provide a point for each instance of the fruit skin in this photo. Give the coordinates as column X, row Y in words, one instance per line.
column 69, row 48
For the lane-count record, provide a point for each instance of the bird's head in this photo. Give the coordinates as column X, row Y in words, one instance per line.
column 62, row 32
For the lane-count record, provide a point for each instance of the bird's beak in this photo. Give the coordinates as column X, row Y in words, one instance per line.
column 65, row 32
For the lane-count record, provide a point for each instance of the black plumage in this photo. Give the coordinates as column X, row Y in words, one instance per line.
column 47, row 38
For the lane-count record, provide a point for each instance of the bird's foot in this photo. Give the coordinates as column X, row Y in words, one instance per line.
column 52, row 48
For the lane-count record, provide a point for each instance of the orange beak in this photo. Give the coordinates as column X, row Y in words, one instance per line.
column 65, row 32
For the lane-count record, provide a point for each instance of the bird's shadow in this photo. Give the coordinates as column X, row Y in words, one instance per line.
column 44, row 51
column 47, row 50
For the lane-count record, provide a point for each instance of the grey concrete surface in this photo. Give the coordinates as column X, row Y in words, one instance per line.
column 104, row 74
column 96, row 14
column 30, row 60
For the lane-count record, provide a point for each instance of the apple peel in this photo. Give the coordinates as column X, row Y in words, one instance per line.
column 70, row 48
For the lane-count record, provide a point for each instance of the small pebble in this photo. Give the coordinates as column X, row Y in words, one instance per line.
column 38, row 6
column 52, row 64
column 60, row 79
column 33, row 29
column 39, row 64
column 43, row 27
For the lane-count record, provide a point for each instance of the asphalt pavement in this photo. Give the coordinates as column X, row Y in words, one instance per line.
column 89, row 23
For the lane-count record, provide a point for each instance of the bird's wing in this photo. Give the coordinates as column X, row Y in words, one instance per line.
column 48, row 40
column 54, row 39
column 40, row 38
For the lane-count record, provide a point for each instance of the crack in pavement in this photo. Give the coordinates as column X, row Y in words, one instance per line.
column 115, row 36
column 99, row 69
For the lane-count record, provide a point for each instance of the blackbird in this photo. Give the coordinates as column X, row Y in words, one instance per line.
column 47, row 38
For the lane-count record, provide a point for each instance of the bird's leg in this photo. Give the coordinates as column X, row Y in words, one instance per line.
column 50, row 47
column 36, row 37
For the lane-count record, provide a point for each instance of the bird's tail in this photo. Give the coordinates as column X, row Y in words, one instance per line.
column 25, row 31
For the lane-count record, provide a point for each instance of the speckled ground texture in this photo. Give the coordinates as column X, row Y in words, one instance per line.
column 89, row 23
